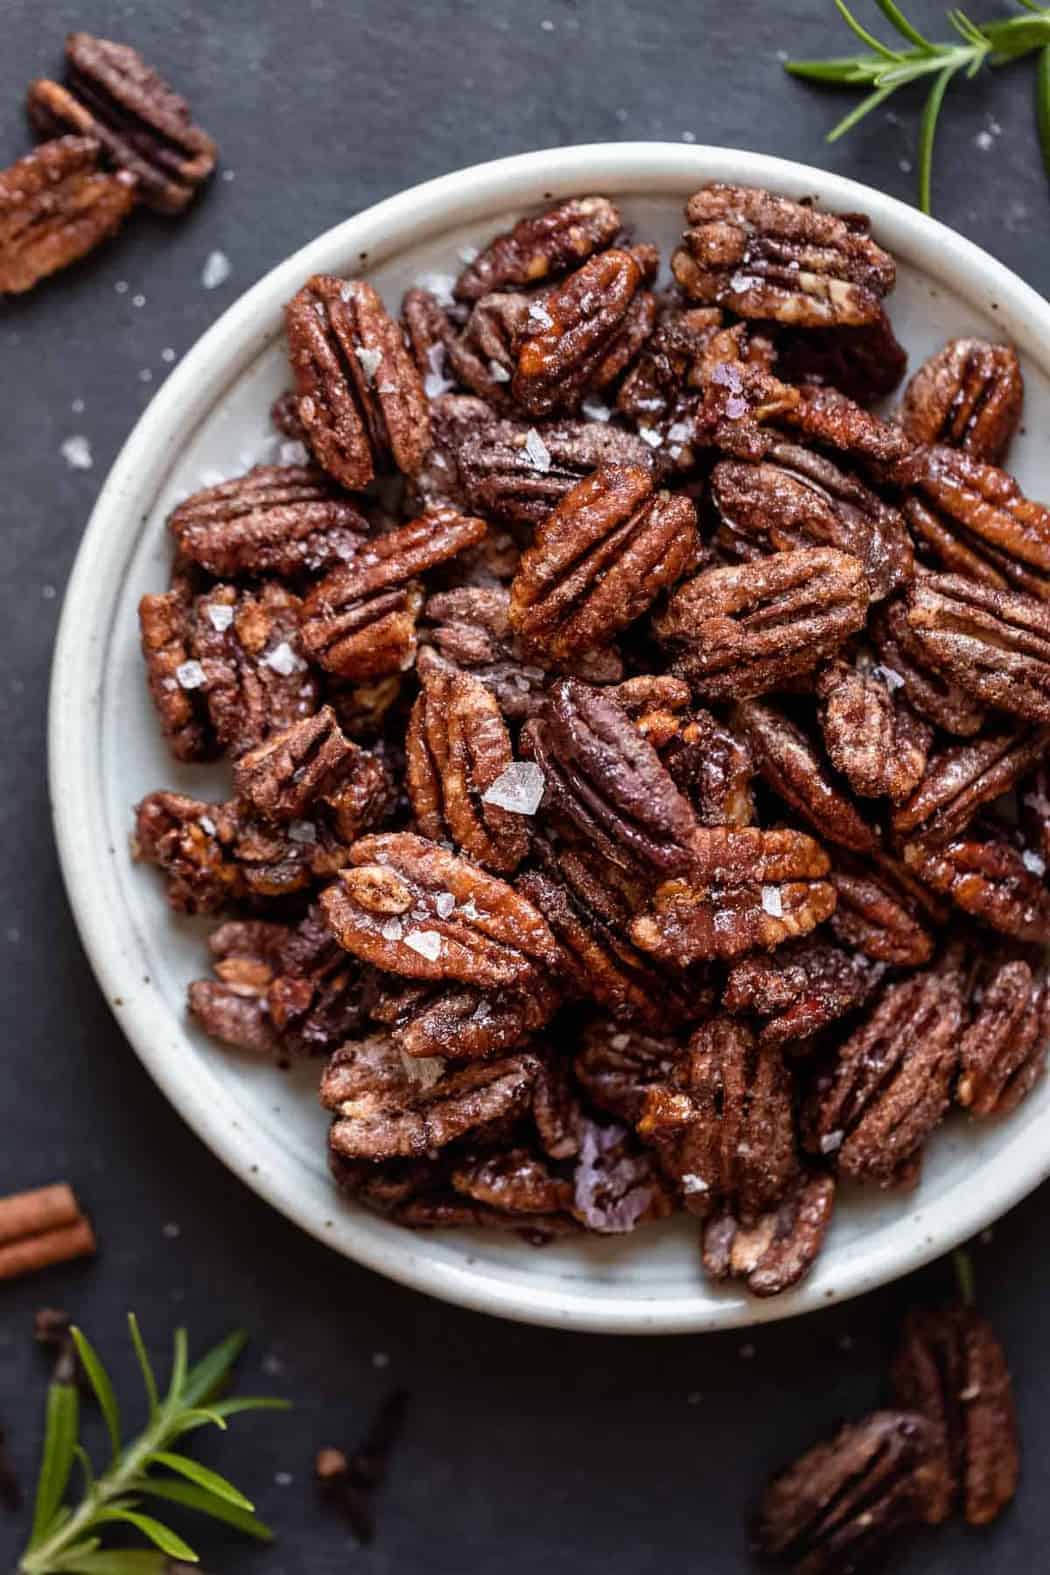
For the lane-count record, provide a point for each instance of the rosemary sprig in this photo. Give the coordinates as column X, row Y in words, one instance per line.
column 884, row 68
column 66, row 1540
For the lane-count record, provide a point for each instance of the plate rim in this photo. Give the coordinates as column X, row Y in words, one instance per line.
column 221, row 354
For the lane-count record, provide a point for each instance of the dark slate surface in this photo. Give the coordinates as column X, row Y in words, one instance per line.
column 525, row 1450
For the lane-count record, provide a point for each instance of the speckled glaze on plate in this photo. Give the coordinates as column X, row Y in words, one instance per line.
column 210, row 419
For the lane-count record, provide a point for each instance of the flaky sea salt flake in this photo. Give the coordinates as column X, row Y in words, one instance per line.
column 518, row 789
column 190, row 675
column 302, row 831
column 498, row 374
column 772, row 902
column 444, row 903
column 1033, row 862
column 426, row 942
column 283, row 660
column 538, row 452
column 831, row 1141
column 76, row 451
column 217, row 269
column 651, row 436
column 220, row 616
column 369, row 361
column 595, row 410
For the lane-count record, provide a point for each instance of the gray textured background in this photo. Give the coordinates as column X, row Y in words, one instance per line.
column 525, row 1449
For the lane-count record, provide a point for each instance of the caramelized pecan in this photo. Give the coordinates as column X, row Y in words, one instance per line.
column 780, row 1247
column 799, row 989
column 599, row 560
column 994, row 644
column 767, row 257
column 865, row 363
column 569, row 335
column 974, row 520
column 192, row 843
column 460, row 1023
column 55, row 207
column 951, row 1369
column 361, row 398
column 880, row 912
column 360, row 622
column 711, row 765
column 824, row 416
column 739, row 631
column 540, row 247
column 871, row 735
column 164, row 621
column 969, row 396
column 1003, row 1049
column 143, row 125
column 515, row 1181
column 963, row 777
column 276, row 519
column 739, row 395
column 793, row 769
column 457, row 747
column 410, row 907
column 312, row 766
column 619, row 1063
column 483, row 356
column 989, row 880
column 905, row 665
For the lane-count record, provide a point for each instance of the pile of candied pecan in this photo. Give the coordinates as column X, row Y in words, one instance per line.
column 639, row 781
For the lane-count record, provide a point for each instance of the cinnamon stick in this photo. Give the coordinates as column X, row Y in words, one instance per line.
column 50, row 1246
column 32, row 1213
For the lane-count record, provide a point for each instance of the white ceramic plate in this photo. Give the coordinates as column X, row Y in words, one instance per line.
column 210, row 420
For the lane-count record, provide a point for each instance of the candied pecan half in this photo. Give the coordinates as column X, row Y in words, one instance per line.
column 739, row 395
column 599, row 560
column 164, row 624
column 836, row 1508
column 483, row 356
column 889, row 1087
column 457, row 748
column 864, row 363
column 823, row 415
column 961, row 778
column 312, row 765
column 192, row 843
column 746, row 888
column 800, row 988
column 360, row 622
column 742, row 630
column 540, row 247
column 989, row 880
column 951, row 1369
column 603, row 776
column 568, row 335
column 794, row 498
column 994, row 644
column 973, row 519
column 705, row 759
column 515, row 1181
column 767, row 257
column 659, row 392
column 388, row 1106
column 1003, row 1050
column 969, row 396
column 614, row 1185
column 233, row 1008
column 460, row 1023
column 619, row 1063
column 780, row 1247
column 871, row 735
column 905, row 665
column 410, row 907
column 794, row 770
column 879, row 913
column 55, row 207
column 143, row 125
column 276, row 519
column 361, row 398
column 722, row 1124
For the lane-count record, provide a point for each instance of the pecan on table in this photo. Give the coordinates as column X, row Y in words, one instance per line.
column 795, row 498
column 969, row 396
column 767, row 257
column 460, row 1023
column 791, row 766
column 990, row 880
column 864, row 363
column 993, row 644
column 540, row 247
column 618, row 1063
column 276, row 519
column 883, row 912
column 871, row 734
column 599, row 560
column 962, row 777
column 839, row 1505
column 55, row 207
column 312, row 767
column 192, row 842
column 457, row 751
column 1003, row 1049
column 973, row 519
column 412, row 908
column 951, row 1369
column 800, row 988
column 905, row 665
column 569, row 334
column 736, row 632
column 604, row 778
column 360, row 621
column 890, row 1084
column 746, row 888
column 361, row 398
column 615, row 1187
column 142, row 124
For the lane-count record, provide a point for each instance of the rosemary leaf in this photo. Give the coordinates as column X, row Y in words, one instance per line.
column 928, row 131
column 1042, row 104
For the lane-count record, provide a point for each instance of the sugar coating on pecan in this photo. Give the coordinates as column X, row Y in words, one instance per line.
column 993, row 644
column 871, row 734
column 540, row 247
column 967, row 395
column 56, row 205
column 973, row 519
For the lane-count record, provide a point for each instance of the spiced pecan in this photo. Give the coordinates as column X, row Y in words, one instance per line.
column 599, row 560
column 880, row 912
column 739, row 395
column 1035, row 814
column 746, row 888
column 711, row 765
column 142, row 124
column 871, row 734
column 993, row 644
column 55, row 207
column 795, row 498
column 427, row 330
column 360, row 621
column 192, row 843
column 767, row 257
column 284, row 415
column 619, row 1062
column 276, row 519
column 409, row 906
column 824, row 416
column 459, row 1023
column 515, row 1181
column 839, row 1505
column 961, row 778
column 951, row 1369
column 556, row 1111
column 540, row 247
column 1003, row 1049
column 603, row 777
column 614, row 1185
column 483, row 356
column 660, row 393
column 739, row 631
column 311, row 766
column 164, row 621
column 889, row 1087
column 800, row 989
column 865, row 363
column 457, row 748
column 361, row 398
column 990, row 880
column 780, row 1247
column 794, row 770
column 569, row 334
column 905, row 665
column 969, row 396
column 973, row 519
